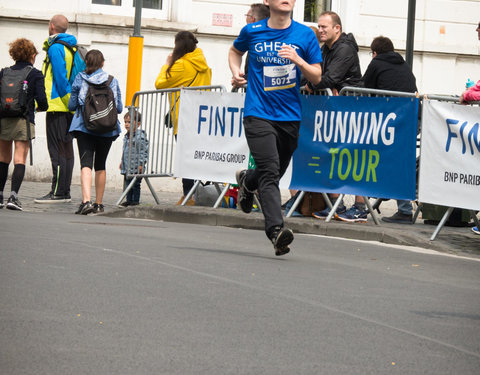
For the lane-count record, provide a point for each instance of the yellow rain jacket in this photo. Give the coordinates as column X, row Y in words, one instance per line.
column 189, row 70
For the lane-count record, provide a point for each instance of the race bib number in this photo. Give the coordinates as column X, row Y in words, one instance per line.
column 279, row 77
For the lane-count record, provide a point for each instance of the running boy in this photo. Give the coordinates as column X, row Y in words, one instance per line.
column 137, row 151
column 280, row 50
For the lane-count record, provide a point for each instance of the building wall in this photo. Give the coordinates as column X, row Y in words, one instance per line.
column 446, row 45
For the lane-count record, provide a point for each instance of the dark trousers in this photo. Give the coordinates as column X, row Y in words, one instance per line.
column 60, row 148
column 133, row 195
column 271, row 144
column 187, row 185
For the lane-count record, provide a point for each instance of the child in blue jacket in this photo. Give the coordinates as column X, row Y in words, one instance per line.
column 134, row 156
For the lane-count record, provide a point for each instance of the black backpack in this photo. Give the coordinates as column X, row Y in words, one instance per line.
column 13, row 92
column 99, row 110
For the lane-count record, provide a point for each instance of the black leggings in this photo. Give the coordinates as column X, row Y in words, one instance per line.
column 92, row 147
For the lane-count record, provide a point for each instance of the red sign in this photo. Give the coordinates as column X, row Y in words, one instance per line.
column 221, row 19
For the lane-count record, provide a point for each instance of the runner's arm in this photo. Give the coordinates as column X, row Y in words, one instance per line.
column 235, row 63
column 312, row 72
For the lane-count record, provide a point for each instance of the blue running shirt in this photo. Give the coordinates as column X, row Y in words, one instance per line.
column 273, row 81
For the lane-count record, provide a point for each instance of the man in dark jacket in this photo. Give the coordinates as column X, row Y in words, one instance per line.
column 340, row 68
column 389, row 71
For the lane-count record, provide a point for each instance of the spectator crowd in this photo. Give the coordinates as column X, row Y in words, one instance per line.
column 325, row 58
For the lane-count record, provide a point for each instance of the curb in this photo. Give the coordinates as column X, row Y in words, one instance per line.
column 394, row 234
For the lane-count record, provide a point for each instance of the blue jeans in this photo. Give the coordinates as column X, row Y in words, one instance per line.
column 133, row 195
column 404, row 207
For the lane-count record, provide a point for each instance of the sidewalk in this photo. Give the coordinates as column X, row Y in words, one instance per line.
column 458, row 241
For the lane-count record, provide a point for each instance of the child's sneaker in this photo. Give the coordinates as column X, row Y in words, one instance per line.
column 1, row 202
column 354, row 215
column 476, row 230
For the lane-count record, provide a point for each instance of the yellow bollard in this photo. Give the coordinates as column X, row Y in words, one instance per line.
column 134, row 71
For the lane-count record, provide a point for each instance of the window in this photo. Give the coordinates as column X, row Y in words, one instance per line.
column 150, row 8
column 150, row 4
column 313, row 8
column 107, row 2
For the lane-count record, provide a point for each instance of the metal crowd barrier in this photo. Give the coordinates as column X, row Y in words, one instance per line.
column 240, row 89
column 321, row 92
column 154, row 106
column 361, row 91
column 443, row 220
column 357, row 91
column 333, row 209
column 348, row 91
column 296, row 203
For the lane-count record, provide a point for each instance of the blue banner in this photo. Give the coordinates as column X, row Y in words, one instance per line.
column 357, row 145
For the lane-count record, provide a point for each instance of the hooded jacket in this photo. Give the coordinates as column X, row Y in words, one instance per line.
column 473, row 93
column 137, row 150
column 189, row 70
column 77, row 100
column 56, row 70
column 389, row 71
column 341, row 66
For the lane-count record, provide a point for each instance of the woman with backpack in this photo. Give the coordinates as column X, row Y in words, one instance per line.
column 94, row 137
column 185, row 66
column 20, row 86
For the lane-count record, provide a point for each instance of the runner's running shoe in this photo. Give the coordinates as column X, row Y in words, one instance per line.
column 281, row 238
column 245, row 197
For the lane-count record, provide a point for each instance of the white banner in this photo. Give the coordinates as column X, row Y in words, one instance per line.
column 450, row 155
column 211, row 144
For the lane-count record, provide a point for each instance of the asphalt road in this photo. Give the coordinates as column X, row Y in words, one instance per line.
column 97, row 295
